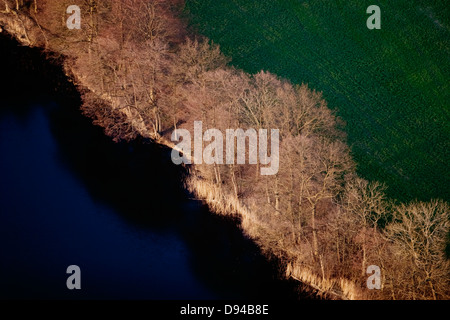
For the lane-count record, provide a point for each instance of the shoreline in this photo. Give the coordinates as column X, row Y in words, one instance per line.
column 26, row 31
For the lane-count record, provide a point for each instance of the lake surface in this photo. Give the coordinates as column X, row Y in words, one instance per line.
column 70, row 196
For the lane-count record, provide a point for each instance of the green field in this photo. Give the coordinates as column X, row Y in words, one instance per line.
column 391, row 86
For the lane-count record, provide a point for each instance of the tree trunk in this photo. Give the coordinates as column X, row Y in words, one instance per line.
column 217, row 174
column 267, row 194
column 364, row 258
column 175, row 126
column 322, row 268
column 233, row 181
column 314, row 232
column 431, row 285
column 338, row 254
column 277, row 197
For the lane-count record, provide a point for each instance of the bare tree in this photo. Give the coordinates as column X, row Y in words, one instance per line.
column 418, row 234
column 367, row 204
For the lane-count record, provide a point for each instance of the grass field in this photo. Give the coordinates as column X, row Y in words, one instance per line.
column 391, row 86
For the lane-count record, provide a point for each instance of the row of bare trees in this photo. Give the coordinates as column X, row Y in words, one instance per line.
column 141, row 75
